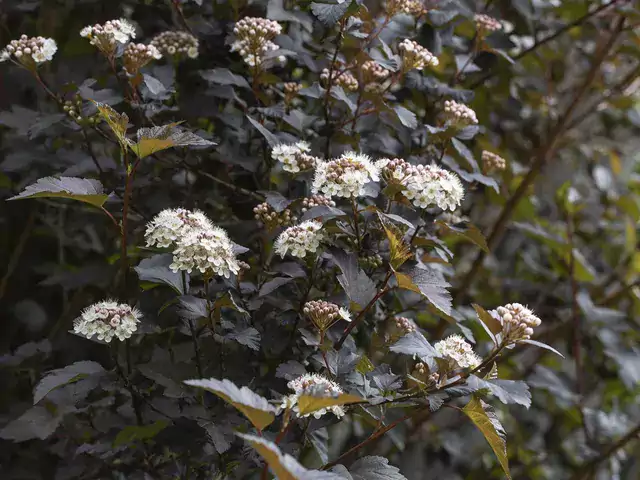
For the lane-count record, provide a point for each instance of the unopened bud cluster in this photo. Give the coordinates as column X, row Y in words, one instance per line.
column 415, row 56
column 374, row 76
column 271, row 219
column 458, row 114
column 324, row 314
column 422, row 374
column 492, row 161
column 404, row 324
column 294, row 157
column 345, row 176
column 73, row 108
column 291, row 90
column 316, row 201
column 300, row 240
column 253, row 39
column 371, row 261
column 414, row 8
column 106, row 320
column 30, row 52
column 343, row 79
column 424, row 185
column 137, row 55
column 486, row 24
column 176, row 44
column 517, row 321
column 107, row 37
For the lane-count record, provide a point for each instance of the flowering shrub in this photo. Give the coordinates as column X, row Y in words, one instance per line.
column 280, row 199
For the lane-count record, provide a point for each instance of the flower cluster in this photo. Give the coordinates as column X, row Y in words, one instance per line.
column 199, row 245
column 271, row 219
column 424, row 185
column 300, row 239
column 137, row 55
column 343, row 79
column 107, row 37
column 73, row 108
column 486, row 24
column 345, row 176
column 314, row 384
column 458, row 352
column 422, row 374
column 30, row 52
column 294, row 157
column 405, row 325
column 106, row 320
column 316, row 201
column 291, row 90
column 492, row 161
column 374, row 76
column 253, row 39
column 324, row 314
column 414, row 8
column 176, row 44
column 517, row 322
column 458, row 114
column 415, row 56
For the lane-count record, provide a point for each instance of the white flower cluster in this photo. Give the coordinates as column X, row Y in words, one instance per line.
column 199, row 245
column 254, row 37
column 345, row 176
column 424, row 185
column 415, row 56
column 107, row 37
column 492, row 161
column 517, row 321
column 458, row 352
column 313, row 384
column 176, row 44
column 459, row 114
column 324, row 314
column 343, row 79
column 30, row 51
column 485, row 23
column 300, row 239
column 294, row 157
column 414, row 8
column 137, row 55
column 106, row 320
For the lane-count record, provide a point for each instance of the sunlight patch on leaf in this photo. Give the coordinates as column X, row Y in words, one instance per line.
column 308, row 404
column 81, row 189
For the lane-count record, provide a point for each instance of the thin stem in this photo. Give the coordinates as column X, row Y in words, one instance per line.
column 356, row 227
column 178, row 8
column 124, row 262
column 323, row 353
column 134, row 399
column 304, row 299
column 327, row 96
column 360, row 316
column 196, row 347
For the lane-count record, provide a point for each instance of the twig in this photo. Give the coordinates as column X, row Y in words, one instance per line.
column 14, row 259
column 327, row 96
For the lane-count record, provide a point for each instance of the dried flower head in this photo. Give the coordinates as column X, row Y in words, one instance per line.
column 415, row 56
column 424, row 185
column 458, row 352
column 171, row 224
column 340, row 78
column 107, row 37
column 345, row 176
column 458, row 114
column 324, row 314
column 106, row 320
column 294, row 157
column 253, row 39
column 176, row 44
column 486, row 24
column 207, row 250
column 492, row 161
column 137, row 55
column 316, row 385
column 316, row 201
column 271, row 219
column 30, row 52
column 300, row 239
column 517, row 321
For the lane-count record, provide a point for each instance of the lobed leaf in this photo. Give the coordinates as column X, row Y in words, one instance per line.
column 81, row 189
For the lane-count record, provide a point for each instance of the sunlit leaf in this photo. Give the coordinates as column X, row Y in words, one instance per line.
column 135, row 433
column 308, row 404
column 542, row 345
column 118, row 122
column 468, row 231
column 429, row 283
column 256, row 408
column 81, row 189
column 399, row 251
column 156, row 139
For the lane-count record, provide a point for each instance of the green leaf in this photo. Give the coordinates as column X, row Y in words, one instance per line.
column 507, row 391
column 542, row 345
column 156, row 269
column 374, row 468
column 467, row 231
column 329, row 13
column 429, row 283
column 485, row 419
column 399, row 250
column 81, row 189
column 283, row 465
column 64, row 376
column 491, row 325
column 415, row 344
column 118, row 122
column 256, row 408
column 135, row 433
column 156, row 139
column 308, row 404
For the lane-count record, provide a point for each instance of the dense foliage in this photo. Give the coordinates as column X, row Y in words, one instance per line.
column 296, row 239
